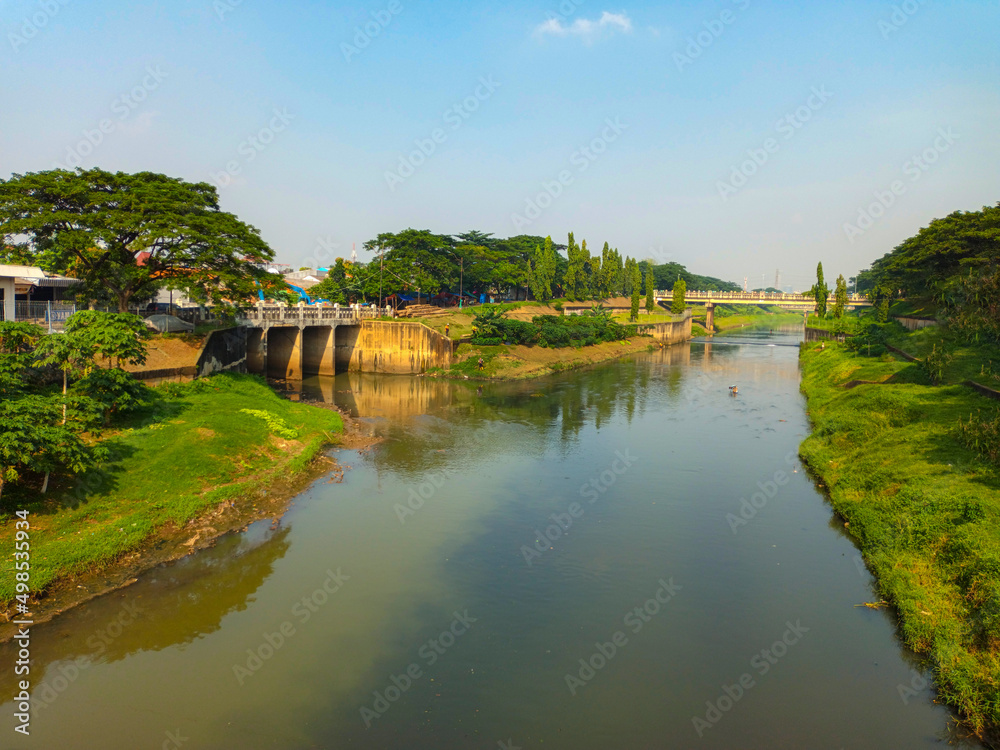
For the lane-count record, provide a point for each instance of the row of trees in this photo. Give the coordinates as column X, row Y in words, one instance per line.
column 513, row 268
column 126, row 236
column 821, row 293
column 954, row 264
column 56, row 391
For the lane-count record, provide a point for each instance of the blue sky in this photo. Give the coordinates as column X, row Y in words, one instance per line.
column 737, row 137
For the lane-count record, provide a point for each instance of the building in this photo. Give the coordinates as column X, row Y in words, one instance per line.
column 28, row 293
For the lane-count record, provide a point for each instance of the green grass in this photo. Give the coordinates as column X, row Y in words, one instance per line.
column 979, row 362
column 847, row 324
column 189, row 451
column 924, row 510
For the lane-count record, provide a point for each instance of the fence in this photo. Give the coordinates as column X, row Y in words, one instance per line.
column 51, row 315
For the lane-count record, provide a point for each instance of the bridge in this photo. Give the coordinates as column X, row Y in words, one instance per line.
column 778, row 299
column 292, row 341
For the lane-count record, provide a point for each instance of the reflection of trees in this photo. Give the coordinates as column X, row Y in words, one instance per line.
column 459, row 418
column 175, row 604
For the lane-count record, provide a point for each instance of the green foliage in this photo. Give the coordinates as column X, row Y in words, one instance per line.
column 981, row 434
column 128, row 235
column 936, row 363
column 114, row 391
column 924, row 265
column 542, row 272
column 17, row 344
column 33, row 439
column 840, row 298
column 650, row 300
column 972, row 304
column 871, row 338
column 115, row 337
column 820, row 291
column 555, row 331
column 678, row 304
column 274, row 423
column 636, row 290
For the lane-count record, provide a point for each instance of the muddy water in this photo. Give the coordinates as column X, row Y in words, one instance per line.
column 622, row 557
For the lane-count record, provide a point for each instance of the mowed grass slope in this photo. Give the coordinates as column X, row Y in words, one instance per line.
column 924, row 510
column 190, row 450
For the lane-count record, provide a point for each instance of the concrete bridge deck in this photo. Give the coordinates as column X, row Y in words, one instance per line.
column 777, row 299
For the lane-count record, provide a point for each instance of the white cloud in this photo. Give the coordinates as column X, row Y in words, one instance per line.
column 586, row 28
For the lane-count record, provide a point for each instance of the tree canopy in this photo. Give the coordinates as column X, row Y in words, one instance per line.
column 128, row 235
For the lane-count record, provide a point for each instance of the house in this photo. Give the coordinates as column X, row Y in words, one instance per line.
column 28, row 293
column 12, row 279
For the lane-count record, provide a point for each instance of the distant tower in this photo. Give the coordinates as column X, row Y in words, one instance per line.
column 745, row 283
column 777, row 278
column 354, row 253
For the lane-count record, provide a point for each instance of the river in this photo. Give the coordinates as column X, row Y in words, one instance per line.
column 620, row 557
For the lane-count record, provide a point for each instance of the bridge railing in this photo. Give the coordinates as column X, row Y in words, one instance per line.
column 752, row 296
column 303, row 314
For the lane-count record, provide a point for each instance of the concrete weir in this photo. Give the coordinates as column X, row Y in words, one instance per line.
column 291, row 343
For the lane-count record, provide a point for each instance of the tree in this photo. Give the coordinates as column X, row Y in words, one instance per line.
column 334, row 287
column 573, row 280
column 650, row 301
column 128, row 235
column 678, row 304
column 636, row 286
column 115, row 337
column 840, row 298
column 543, row 271
column 820, row 291
column 17, row 346
column 414, row 259
column 34, row 438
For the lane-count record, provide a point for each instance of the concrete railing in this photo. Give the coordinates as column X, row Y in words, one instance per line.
column 310, row 315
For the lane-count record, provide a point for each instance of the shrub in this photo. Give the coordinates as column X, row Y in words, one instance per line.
column 274, row 423
column 981, row 435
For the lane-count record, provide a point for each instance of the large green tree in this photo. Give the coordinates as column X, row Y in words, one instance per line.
column 414, row 260
column 650, row 301
column 128, row 235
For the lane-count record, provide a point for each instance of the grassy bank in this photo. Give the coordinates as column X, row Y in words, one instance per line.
column 189, row 451
column 740, row 316
column 924, row 510
column 506, row 362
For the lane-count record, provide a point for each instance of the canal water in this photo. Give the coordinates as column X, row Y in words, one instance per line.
column 621, row 557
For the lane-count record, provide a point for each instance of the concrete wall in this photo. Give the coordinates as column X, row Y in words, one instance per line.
column 284, row 353
column 317, row 350
column 7, row 284
column 225, row 350
column 675, row 331
column 399, row 347
column 912, row 324
column 821, row 334
column 346, row 344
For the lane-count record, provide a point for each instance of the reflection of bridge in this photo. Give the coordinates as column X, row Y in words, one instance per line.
column 777, row 299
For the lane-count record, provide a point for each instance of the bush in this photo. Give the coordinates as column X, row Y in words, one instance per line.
column 274, row 423
column 982, row 435
column 871, row 339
